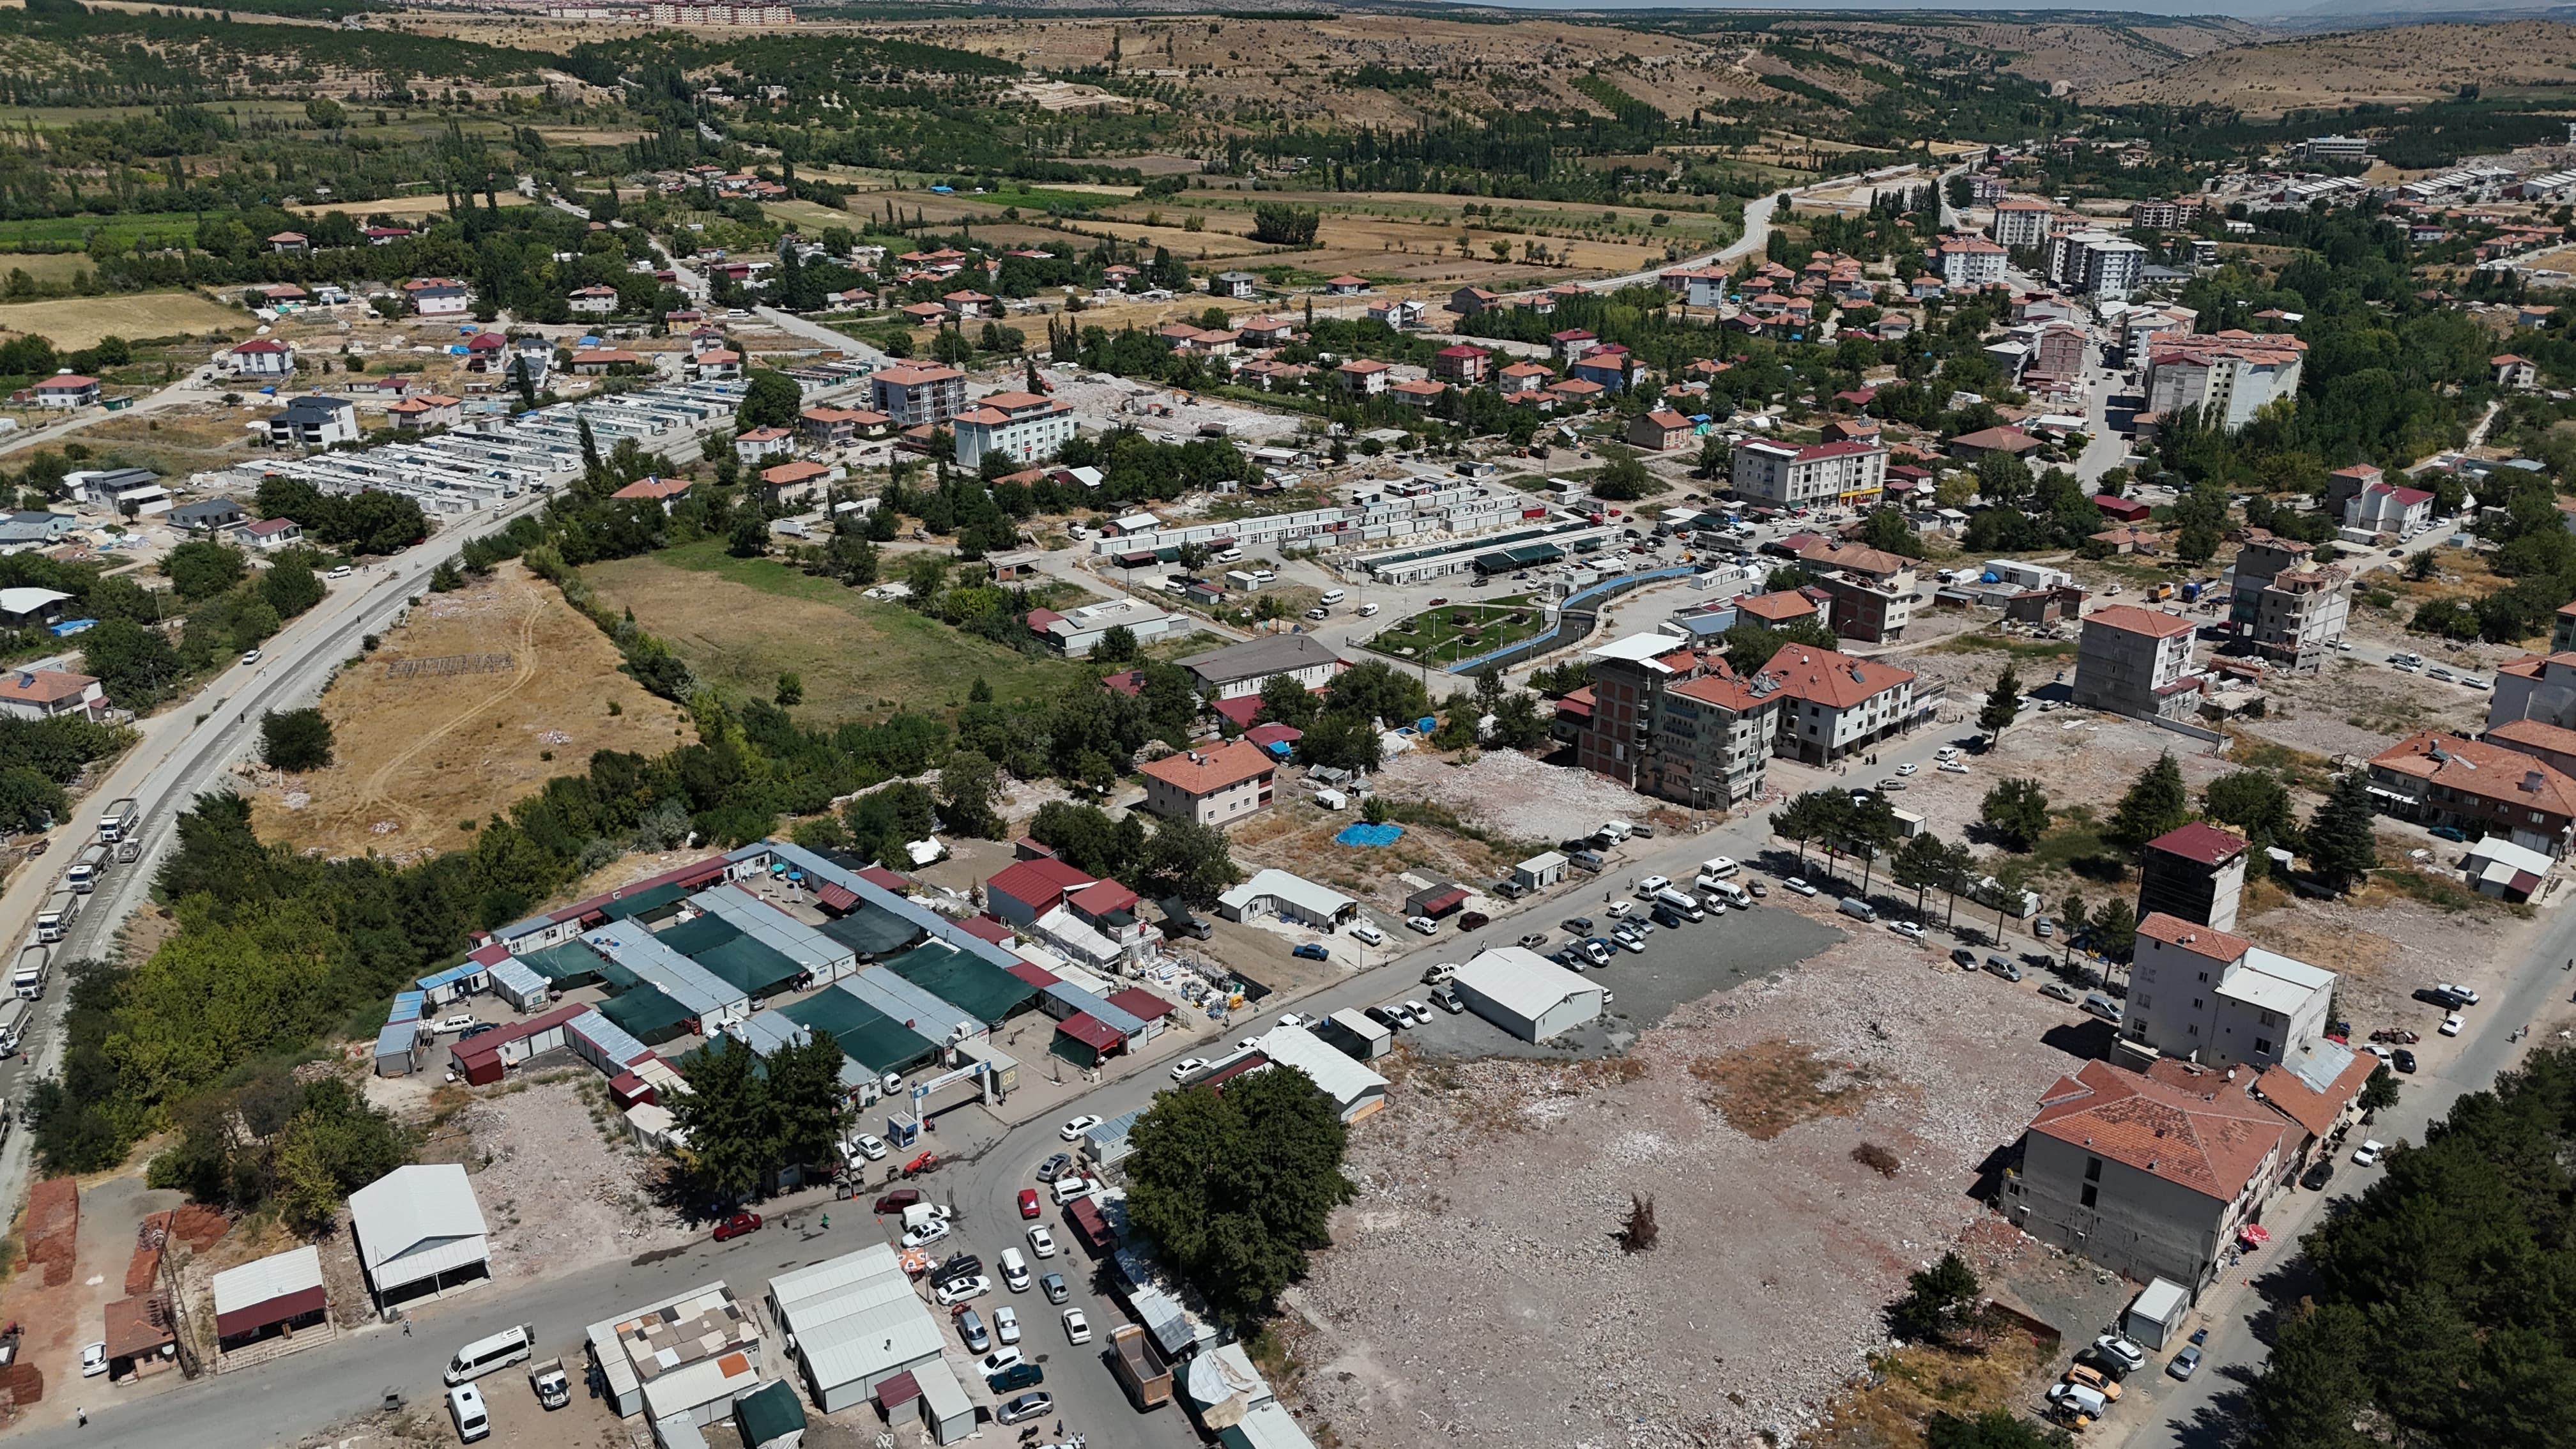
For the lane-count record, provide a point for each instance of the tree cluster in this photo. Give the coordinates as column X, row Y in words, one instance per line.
column 1239, row 1187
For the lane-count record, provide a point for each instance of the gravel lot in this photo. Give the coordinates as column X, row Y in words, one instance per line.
column 1517, row 795
column 1490, row 1189
column 2352, row 707
column 557, row 1195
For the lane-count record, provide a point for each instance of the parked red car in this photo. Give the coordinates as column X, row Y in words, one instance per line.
column 737, row 1226
column 1028, row 1202
column 899, row 1199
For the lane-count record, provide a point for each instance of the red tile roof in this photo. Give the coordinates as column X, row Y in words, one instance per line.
column 2314, row 1110
column 1822, row 676
column 1211, row 770
column 2487, row 772
column 2129, row 618
column 2213, row 1145
column 44, row 686
column 2194, row 937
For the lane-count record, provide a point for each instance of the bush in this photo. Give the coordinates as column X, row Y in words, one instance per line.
column 296, row 739
column 1283, row 225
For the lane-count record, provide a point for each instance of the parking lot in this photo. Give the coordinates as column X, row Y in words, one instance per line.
column 1679, row 964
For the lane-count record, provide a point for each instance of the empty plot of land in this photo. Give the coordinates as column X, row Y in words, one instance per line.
column 1490, row 1190
column 742, row 622
column 76, row 322
column 418, row 750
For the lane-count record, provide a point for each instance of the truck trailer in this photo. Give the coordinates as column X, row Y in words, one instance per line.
column 54, row 917
column 1140, row 1366
column 118, row 821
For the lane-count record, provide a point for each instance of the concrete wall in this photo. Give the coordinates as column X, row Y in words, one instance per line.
column 2140, row 1225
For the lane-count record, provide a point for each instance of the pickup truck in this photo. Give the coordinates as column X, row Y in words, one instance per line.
column 553, row 1388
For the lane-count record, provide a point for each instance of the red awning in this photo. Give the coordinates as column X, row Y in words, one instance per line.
column 1091, row 1031
column 1445, row 902
column 836, row 897
column 281, row 1309
column 2254, row 1233
column 898, row 1390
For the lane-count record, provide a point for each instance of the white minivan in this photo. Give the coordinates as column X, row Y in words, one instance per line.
column 465, row 1406
column 1015, row 1270
column 1682, row 903
column 483, row 1355
column 1332, row 597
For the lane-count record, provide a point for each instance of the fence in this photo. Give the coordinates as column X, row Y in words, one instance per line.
column 1575, row 621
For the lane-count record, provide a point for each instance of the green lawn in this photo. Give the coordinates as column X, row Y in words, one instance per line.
column 1452, row 632
column 742, row 622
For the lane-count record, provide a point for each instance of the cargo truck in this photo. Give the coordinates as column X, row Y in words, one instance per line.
column 54, row 917
column 1140, row 1366
column 83, row 873
column 118, row 821
column 27, row 981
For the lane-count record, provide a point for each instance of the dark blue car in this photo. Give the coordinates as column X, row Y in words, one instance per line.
column 1312, row 951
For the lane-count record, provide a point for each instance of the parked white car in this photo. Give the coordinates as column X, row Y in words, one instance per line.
column 1041, row 1242
column 1077, row 1329
column 1424, row 924
column 958, row 1290
column 1006, row 1324
column 1367, row 934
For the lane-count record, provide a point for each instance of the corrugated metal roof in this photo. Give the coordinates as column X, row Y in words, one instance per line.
column 518, row 979
column 1521, row 980
column 907, row 1003
column 693, row 986
column 1091, row 1004
column 865, row 1345
column 406, row 1006
column 774, row 928
column 1342, row 1079
column 262, row 1279
column 398, row 1038
column 449, row 977
column 611, row 1040
column 417, row 1221
column 1091, row 1031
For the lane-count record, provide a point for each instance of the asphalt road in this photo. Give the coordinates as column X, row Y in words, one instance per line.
column 2208, row 1411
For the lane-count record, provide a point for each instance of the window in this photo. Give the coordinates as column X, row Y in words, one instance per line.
column 2262, row 1046
column 2092, row 1169
column 2091, row 1193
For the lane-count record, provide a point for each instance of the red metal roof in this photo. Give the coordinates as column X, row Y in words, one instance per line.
column 986, row 928
column 837, row 897
column 1141, row 1004
column 275, row 1310
column 1090, row 1030
column 899, row 1390
column 1448, row 900
column 489, row 1044
column 2195, row 840
column 1036, row 883
column 1034, row 974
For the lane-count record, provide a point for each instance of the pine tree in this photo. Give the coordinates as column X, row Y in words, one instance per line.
column 2342, row 846
column 2155, row 804
column 2003, row 703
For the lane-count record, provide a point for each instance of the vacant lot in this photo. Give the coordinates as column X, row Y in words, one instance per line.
column 742, row 622
column 419, row 753
column 2395, row 66
column 74, row 322
column 1489, row 1191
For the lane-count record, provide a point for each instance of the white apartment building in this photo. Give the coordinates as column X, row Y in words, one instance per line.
column 2229, row 376
column 1833, row 704
column 1021, row 426
column 912, row 394
column 1968, row 262
column 2217, row 999
column 2021, row 221
column 1786, row 475
column 2096, row 262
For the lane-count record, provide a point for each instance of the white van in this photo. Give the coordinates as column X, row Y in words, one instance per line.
column 1857, row 909
column 1728, row 892
column 1015, row 1270
column 1232, row 555
column 509, row 1346
column 1719, row 867
column 1332, row 597
column 1682, row 903
column 465, row 1406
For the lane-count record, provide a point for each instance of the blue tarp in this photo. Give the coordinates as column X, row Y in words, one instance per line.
column 1371, row 835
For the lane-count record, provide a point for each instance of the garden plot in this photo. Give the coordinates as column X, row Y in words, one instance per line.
column 1489, row 1191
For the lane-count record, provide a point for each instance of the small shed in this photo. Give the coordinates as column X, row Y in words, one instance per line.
column 770, row 1417
column 1358, row 1037
column 1539, row 871
column 1526, row 994
column 398, row 1048
column 271, row 1296
column 2155, row 1316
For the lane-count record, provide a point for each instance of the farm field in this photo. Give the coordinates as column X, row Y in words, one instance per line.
column 740, row 623
column 75, row 231
column 416, row 754
column 76, row 322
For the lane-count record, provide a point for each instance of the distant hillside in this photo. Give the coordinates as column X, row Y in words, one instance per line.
column 2394, row 65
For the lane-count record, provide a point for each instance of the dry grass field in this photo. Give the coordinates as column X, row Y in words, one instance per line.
column 2395, row 66
column 75, row 322
column 416, row 755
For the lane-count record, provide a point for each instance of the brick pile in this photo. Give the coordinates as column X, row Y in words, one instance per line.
column 53, row 1229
